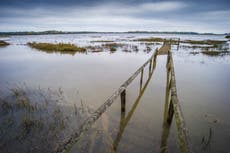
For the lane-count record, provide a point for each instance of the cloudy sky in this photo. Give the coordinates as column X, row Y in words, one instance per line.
column 115, row 15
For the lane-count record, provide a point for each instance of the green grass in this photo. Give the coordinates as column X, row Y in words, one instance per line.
column 215, row 53
column 3, row 43
column 228, row 36
column 60, row 47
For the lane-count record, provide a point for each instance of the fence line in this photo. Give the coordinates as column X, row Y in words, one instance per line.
column 66, row 145
column 183, row 136
column 172, row 105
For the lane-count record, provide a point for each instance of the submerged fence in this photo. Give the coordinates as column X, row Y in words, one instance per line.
column 172, row 106
column 65, row 146
column 175, row 107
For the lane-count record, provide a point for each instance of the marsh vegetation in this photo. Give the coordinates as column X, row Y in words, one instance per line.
column 37, row 120
column 215, row 53
column 60, row 47
column 3, row 43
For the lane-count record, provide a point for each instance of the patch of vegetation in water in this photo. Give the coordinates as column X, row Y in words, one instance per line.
column 36, row 120
column 112, row 47
column 95, row 49
column 157, row 40
column 213, row 43
column 3, row 43
column 194, row 53
column 102, row 41
column 228, row 36
column 60, row 47
column 215, row 53
column 152, row 39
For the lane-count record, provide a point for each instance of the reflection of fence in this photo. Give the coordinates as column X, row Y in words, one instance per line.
column 125, row 119
column 172, row 106
column 65, row 146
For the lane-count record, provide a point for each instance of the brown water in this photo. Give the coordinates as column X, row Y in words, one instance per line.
column 202, row 82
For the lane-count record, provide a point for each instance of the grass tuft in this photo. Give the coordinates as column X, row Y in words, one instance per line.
column 60, row 47
column 214, row 43
column 152, row 39
column 3, row 43
column 215, row 53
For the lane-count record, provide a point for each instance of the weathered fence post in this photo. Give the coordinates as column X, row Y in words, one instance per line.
column 123, row 99
column 150, row 66
column 178, row 44
column 155, row 55
column 141, row 79
column 170, row 111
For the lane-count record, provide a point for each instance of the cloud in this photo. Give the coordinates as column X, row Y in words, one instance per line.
column 215, row 15
column 114, row 16
column 163, row 6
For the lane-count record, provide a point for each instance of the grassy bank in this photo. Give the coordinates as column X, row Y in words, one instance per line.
column 60, row 47
column 3, row 43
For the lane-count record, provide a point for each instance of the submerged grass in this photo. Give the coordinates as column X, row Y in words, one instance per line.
column 34, row 120
column 213, row 43
column 194, row 53
column 102, row 41
column 157, row 40
column 60, row 47
column 3, row 43
column 152, row 39
column 215, row 53
column 112, row 46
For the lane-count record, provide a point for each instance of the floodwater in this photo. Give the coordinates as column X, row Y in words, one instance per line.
column 203, row 87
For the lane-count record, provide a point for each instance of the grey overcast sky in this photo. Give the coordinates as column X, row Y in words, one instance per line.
column 119, row 15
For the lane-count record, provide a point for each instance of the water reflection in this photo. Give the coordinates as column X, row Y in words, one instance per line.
column 168, row 116
column 124, row 120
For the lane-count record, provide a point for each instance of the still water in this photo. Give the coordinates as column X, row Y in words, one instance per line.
column 202, row 82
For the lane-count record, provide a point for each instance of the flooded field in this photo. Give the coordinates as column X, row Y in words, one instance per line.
column 45, row 96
